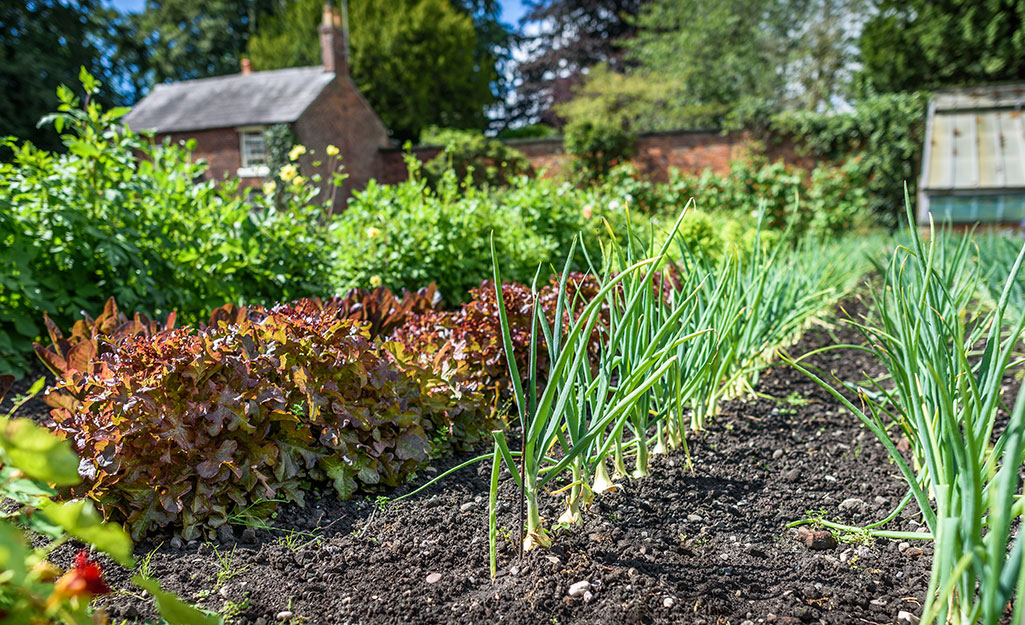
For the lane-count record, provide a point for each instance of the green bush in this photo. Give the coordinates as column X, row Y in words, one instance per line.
column 597, row 146
column 409, row 234
column 486, row 161
column 883, row 137
column 117, row 215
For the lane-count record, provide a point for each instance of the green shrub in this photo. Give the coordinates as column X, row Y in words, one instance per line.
column 827, row 200
column 882, row 135
column 118, row 215
column 597, row 146
column 533, row 131
column 407, row 235
column 485, row 161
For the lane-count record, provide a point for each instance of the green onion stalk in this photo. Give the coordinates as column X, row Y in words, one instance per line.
column 543, row 415
column 946, row 362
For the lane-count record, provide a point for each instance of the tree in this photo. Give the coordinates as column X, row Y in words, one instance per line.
column 821, row 65
column 414, row 60
column 569, row 36
column 924, row 44
column 740, row 52
column 43, row 44
column 184, row 39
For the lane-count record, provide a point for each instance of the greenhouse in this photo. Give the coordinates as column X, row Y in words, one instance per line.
column 973, row 165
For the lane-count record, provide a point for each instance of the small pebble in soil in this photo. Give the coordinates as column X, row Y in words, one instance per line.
column 579, row 588
column 905, row 618
column 850, row 504
column 668, row 602
column 433, row 578
column 817, row 540
column 514, row 570
column 466, row 506
column 902, row 547
column 249, row 536
column 830, row 478
column 880, row 500
column 283, row 615
column 693, row 518
column 177, row 543
column 776, row 455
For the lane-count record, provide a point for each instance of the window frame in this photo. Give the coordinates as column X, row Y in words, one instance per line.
column 249, row 169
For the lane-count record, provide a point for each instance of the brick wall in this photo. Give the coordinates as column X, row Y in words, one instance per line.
column 687, row 151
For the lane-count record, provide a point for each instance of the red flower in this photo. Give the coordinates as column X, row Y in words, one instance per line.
column 85, row 579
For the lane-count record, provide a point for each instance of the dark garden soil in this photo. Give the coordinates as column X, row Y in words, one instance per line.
column 707, row 545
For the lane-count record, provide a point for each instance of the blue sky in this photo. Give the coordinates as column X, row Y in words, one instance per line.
column 512, row 10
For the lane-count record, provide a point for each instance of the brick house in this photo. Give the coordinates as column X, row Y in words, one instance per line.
column 227, row 115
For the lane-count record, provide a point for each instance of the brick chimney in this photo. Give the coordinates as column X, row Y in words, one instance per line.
column 247, row 66
column 334, row 45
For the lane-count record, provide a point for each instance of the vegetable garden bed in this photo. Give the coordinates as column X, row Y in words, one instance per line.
column 708, row 545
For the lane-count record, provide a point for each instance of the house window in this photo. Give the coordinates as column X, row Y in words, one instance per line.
column 254, row 153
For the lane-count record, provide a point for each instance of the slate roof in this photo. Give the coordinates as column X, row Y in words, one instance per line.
column 271, row 97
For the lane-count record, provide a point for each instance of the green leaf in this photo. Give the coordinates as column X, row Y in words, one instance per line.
column 80, row 519
column 23, row 490
column 174, row 610
column 38, row 453
column 344, row 483
column 83, row 149
column 13, row 552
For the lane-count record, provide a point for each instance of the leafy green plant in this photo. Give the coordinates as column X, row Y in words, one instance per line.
column 33, row 463
column 471, row 155
column 880, row 140
column 114, row 214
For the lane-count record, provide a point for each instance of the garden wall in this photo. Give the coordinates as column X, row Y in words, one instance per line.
column 690, row 151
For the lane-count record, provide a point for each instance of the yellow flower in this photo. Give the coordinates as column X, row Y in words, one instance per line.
column 331, row 150
column 269, row 187
column 296, row 152
column 299, row 181
column 288, row 173
column 373, row 233
column 375, row 281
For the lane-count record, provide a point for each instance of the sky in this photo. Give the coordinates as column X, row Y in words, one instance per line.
column 512, row 10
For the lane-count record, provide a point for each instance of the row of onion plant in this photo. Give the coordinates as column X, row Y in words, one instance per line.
column 679, row 333
column 565, row 424
column 763, row 301
column 946, row 360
